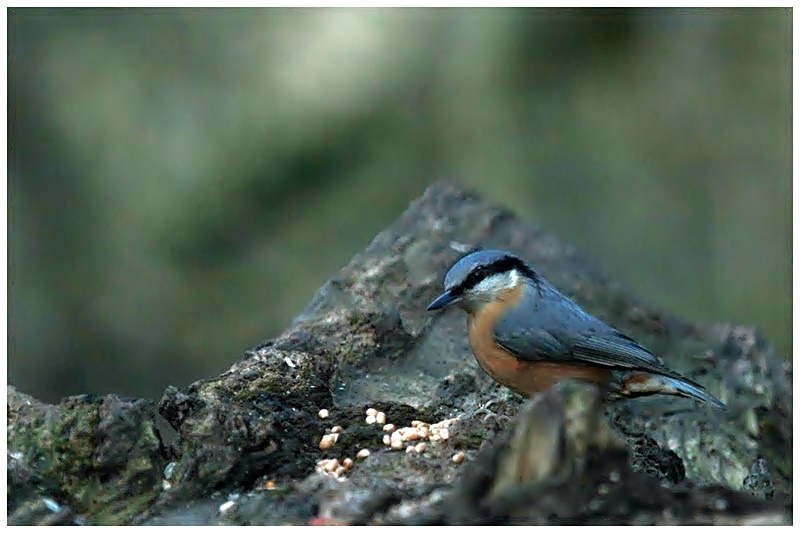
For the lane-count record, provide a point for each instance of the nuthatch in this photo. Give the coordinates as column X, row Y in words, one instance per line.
column 527, row 335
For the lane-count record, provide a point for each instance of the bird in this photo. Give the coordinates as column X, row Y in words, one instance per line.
column 528, row 336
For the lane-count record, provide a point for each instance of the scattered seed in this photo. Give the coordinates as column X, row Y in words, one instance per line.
column 388, row 428
column 370, row 419
column 410, row 449
column 225, row 507
column 380, row 418
column 340, row 471
column 387, row 440
column 328, row 440
column 336, row 429
column 372, row 412
column 363, row 454
column 412, row 435
column 331, row 465
column 419, row 448
column 446, row 423
column 347, row 463
column 424, row 432
column 415, row 423
column 323, row 413
column 459, row 457
column 397, row 444
column 444, row 433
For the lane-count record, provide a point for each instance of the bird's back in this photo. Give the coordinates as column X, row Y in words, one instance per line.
column 547, row 324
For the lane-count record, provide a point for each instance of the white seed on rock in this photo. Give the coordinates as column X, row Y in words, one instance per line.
column 387, row 440
column 323, row 413
column 227, row 506
column 363, row 454
column 328, row 441
column 412, row 435
column 372, row 412
column 419, row 448
column 397, row 444
column 388, row 428
column 444, row 433
column 410, row 449
column 415, row 423
column 336, row 429
column 370, row 419
column 347, row 463
column 446, row 423
column 380, row 417
column 340, row 471
column 331, row 465
column 459, row 457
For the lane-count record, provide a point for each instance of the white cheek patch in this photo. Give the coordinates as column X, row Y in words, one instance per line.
column 491, row 286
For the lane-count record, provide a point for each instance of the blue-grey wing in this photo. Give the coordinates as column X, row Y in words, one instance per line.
column 546, row 325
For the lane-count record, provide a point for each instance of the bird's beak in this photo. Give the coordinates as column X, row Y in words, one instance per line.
column 443, row 301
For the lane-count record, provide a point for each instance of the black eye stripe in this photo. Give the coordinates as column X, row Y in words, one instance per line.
column 482, row 272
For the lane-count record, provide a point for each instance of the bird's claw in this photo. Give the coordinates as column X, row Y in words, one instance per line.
column 484, row 409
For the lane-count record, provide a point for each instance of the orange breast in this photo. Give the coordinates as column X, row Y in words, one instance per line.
column 525, row 377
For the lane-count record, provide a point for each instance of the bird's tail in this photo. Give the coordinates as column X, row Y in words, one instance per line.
column 641, row 384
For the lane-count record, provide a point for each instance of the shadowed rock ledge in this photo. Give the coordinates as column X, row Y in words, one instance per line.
column 244, row 447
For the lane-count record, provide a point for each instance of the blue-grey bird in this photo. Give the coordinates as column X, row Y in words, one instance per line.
column 527, row 335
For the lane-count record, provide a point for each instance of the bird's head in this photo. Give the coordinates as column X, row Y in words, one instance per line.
column 481, row 278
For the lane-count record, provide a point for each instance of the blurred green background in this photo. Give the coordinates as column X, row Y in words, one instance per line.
column 181, row 182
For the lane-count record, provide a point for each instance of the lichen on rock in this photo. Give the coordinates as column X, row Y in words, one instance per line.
column 247, row 441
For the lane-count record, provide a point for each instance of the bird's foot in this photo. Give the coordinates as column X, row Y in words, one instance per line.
column 490, row 415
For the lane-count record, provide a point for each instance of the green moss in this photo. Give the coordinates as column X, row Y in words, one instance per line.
column 356, row 436
column 121, row 510
column 466, row 439
column 63, row 449
column 357, row 319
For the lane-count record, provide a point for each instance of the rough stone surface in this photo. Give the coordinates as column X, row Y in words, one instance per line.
column 98, row 458
column 243, row 447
